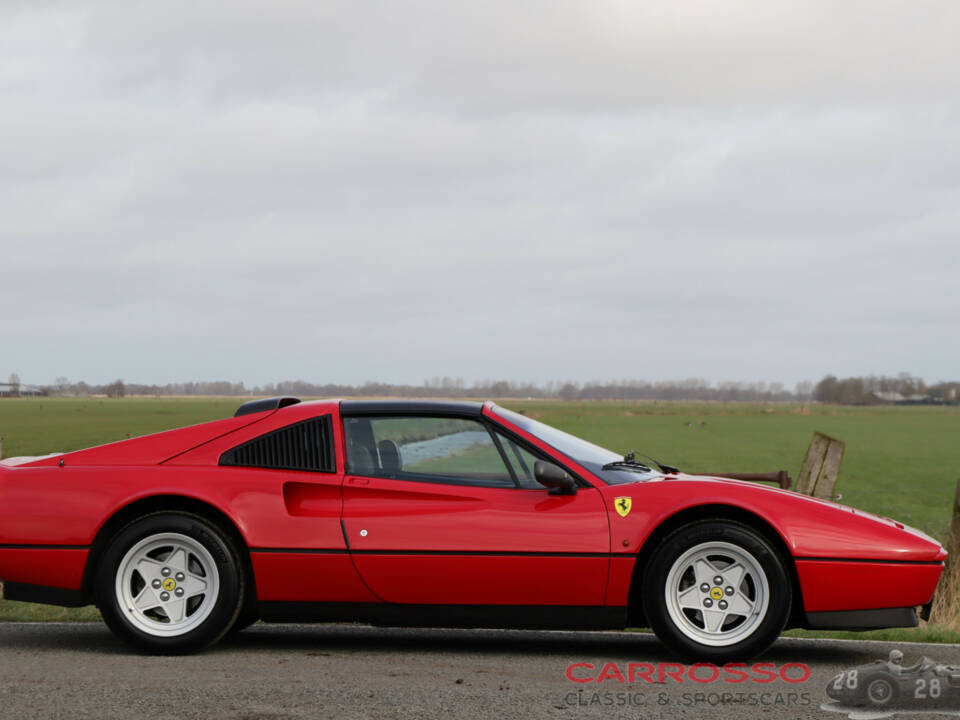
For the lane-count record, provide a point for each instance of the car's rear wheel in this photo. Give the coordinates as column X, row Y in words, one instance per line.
column 170, row 582
column 716, row 590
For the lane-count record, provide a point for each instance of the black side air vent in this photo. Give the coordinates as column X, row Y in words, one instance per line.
column 273, row 403
column 306, row 445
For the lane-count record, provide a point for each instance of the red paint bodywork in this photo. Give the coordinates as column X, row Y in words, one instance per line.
column 428, row 543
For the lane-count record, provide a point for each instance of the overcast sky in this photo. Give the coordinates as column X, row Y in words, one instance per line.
column 341, row 192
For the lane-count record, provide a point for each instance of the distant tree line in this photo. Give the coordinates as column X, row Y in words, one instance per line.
column 866, row 390
column 878, row 389
column 691, row 389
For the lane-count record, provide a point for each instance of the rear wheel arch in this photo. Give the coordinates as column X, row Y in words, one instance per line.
column 732, row 513
column 166, row 503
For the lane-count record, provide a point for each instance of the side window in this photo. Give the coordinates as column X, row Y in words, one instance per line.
column 433, row 449
column 522, row 461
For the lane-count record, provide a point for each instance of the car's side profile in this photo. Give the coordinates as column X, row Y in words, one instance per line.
column 442, row 514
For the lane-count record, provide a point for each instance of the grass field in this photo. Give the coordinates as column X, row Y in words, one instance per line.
column 901, row 462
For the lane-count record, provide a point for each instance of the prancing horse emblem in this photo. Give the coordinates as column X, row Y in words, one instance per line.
column 623, row 505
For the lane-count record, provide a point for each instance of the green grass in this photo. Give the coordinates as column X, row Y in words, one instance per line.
column 11, row 611
column 901, row 462
column 36, row 426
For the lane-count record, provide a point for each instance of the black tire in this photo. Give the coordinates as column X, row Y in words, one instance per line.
column 245, row 619
column 751, row 633
column 880, row 692
column 209, row 572
column 249, row 608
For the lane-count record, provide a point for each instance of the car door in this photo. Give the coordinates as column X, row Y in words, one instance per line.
column 433, row 514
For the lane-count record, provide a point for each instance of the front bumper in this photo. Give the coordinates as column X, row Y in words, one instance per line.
column 833, row 585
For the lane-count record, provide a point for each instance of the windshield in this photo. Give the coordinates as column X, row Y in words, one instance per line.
column 592, row 457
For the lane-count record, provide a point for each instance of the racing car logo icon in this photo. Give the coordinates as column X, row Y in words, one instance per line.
column 888, row 684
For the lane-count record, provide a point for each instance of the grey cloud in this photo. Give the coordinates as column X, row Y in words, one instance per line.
column 351, row 191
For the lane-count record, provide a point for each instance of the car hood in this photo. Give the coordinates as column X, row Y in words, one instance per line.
column 811, row 527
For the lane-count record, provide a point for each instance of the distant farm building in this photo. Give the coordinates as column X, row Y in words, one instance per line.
column 895, row 398
column 8, row 390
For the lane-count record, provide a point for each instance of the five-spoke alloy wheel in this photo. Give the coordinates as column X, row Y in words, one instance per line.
column 716, row 590
column 170, row 582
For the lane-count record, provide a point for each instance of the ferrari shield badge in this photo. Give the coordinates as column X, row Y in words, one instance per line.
column 623, row 505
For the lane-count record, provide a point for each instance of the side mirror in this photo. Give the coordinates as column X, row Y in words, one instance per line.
column 555, row 478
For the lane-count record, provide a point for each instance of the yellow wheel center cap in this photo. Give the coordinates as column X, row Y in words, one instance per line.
column 716, row 593
column 169, row 584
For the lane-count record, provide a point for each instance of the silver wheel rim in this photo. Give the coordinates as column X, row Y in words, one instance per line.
column 167, row 584
column 711, row 612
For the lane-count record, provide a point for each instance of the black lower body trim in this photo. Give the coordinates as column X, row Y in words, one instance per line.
column 527, row 617
column 862, row 619
column 43, row 594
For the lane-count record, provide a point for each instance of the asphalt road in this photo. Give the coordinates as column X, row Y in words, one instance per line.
column 274, row 672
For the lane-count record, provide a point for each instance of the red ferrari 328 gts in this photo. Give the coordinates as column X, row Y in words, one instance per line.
column 451, row 514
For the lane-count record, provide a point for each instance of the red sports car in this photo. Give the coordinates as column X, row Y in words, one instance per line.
column 451, row 514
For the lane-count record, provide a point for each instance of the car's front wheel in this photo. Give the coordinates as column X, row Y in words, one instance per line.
column 716, row 590
column 170, row 582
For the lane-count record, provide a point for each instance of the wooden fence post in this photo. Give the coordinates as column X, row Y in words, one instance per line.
column 944, row 610
column 821, row 466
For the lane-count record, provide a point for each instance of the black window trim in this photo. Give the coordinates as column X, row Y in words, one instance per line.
column 503, row 455
column 421, row 408
column 518, row 445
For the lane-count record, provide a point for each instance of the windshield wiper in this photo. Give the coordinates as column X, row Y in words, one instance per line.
column 630, row 464
column 666, row 469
